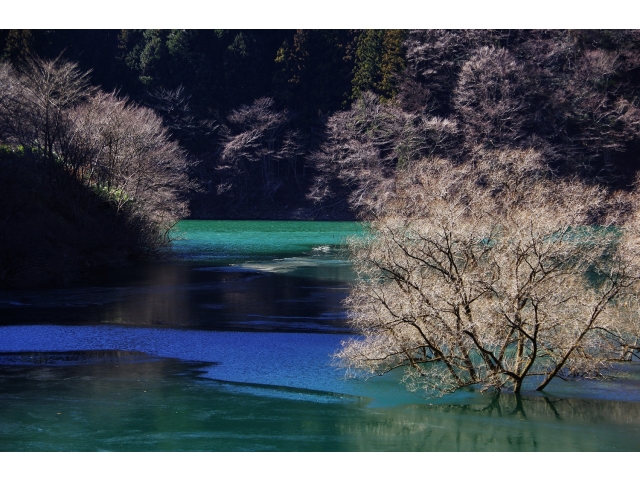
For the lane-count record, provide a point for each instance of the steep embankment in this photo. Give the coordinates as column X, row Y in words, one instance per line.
column 53, row 230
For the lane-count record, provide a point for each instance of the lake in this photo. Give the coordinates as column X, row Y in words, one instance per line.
column 228, row 347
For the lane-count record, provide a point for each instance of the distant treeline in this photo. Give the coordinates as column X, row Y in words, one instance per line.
column 290, row 123
column 197, row 79
column 304, row 71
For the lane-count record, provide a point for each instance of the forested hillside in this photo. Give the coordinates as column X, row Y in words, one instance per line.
column 247, row 106
column 288, row 124
column 313, row 124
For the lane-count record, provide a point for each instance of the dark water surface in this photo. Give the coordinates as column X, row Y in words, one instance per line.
column 229, row 349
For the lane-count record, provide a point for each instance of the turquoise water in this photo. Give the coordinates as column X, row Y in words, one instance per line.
column 225, row 242
column 228, row 348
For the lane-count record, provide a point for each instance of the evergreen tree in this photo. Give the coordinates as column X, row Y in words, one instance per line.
column 379, row 58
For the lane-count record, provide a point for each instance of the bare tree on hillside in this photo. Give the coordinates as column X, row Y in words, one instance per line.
column 434, row 60
column 37, row 97
column 259, row 147
column 173, row 106
column 367, row 144
column 132, row 161
column 490, row 99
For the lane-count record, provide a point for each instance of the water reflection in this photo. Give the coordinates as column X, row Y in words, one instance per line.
column 145, row 403
column 504, row 423
column 202, row 297
column 227, row 275
column 77, row 379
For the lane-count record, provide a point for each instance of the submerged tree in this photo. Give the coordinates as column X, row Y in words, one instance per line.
column 490, row 272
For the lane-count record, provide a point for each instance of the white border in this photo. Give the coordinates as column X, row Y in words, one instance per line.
column 321, row 14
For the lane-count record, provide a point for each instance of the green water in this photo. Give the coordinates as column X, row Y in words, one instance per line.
column 227, row 242
column 161, row 405
column 228, row 348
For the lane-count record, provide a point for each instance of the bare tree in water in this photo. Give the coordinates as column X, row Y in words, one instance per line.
column 490, row 272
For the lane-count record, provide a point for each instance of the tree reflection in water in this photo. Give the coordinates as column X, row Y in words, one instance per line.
column 271, row 390
column 129, row 401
